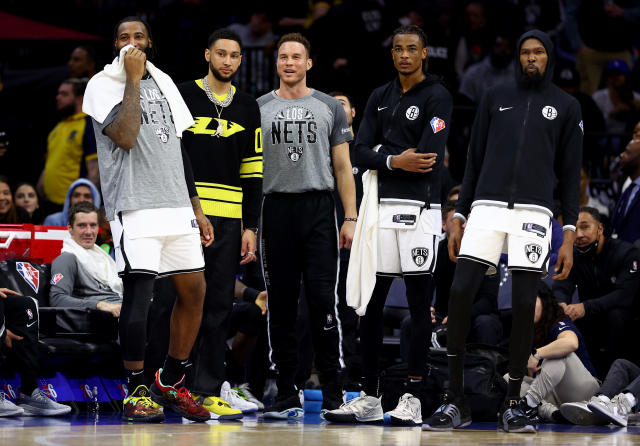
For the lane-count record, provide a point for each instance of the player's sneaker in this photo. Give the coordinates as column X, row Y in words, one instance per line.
column 615, row 410
column 408, row 412
column 139, row 407
column 363, row 409
column 235, row 400
column 516, row 416
column 39, row 404
column 245, row 392
column 219, row 408
column 579, row 413
column 452, row 414
column 178, row 399
column 7, row 408
column 285, row 408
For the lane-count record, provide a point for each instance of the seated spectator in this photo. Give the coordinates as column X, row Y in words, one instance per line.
column 82, row 62
column 613, row 402
column 19, row 341
column 605, row 271
column 494, row 69
column 586, row 199
column 625, row 222
column 475, row 41
column 617, row 102
column 258, row 32
column 560, row 362
column 9, row 212
column 83, row 275
column 27, row 198
column 486, row 327
column 80, row 190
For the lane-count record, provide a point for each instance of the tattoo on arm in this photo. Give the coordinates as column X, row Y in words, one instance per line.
column 125, row 127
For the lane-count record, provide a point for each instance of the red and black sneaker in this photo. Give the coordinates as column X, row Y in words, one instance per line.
column 178, row 399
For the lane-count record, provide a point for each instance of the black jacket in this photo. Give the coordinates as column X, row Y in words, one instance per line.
column 605, row 281
column 419, row 118
column 526, row 141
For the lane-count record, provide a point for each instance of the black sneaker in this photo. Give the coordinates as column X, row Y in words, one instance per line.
column 513, row 417
column 453, row 413
column 285, row 408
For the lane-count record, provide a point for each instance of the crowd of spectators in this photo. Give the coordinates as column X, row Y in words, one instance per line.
column 47, row 168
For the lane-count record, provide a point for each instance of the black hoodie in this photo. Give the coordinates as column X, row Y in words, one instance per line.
column 525, row 141
column 418, row 118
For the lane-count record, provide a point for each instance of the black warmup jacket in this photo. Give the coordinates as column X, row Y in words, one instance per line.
column 420, row 118
column 605, row 281
column 525, row 142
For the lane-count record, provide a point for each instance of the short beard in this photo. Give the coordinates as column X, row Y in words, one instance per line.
column 533, row 79
column 219, row 75
column 67, row 111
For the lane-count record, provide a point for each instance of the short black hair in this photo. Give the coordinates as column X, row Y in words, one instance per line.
column 593, row 211
column 223, row 33
column 411, row 29
column 85, row 207
column 134, row 18
column 78, row 85
column 333, row 94
column 91, row 52
column 295, row 37
column 449, row 206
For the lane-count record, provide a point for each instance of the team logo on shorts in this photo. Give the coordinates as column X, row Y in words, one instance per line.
column 419, row 255
column 549, row 112
column 163, row 133
column 437, row 124
column 412, row 113
column 29, row 274
column 533, row 252
column 295, row 153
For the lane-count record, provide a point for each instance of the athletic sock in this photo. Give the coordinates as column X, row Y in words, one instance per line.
column 173, row 370
column 414, row 386
column 135, row 378
column 28, row 382
column 371, row 385
column 456, row 374
column 513, row 388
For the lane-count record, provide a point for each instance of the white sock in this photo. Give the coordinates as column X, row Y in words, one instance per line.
column 530, row 401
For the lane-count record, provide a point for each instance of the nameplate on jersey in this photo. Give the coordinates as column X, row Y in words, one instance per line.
column 539, row 230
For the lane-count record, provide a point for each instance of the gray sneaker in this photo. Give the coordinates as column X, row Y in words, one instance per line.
column 38, row 404
column 7, row 408
column 245, row 391
column 614, row 410
column 579, row 413
column 363, row 409
column 408, row 412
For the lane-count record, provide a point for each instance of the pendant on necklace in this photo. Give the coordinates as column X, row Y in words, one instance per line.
column 219, row 130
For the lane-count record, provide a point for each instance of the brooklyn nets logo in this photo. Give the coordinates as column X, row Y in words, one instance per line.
column 412, row 112
column 549, row 112
column 533, row 252
column 295, row 153
column 163, row 133
column 419, row 255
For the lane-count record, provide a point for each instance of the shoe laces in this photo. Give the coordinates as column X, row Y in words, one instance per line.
column 184, row 393
column 144, row 401
column 235, row 394
column 512, row 412
column 245, row 391
column 450, row 410
column 621, row 403
column 3, row 396
column 405, row 403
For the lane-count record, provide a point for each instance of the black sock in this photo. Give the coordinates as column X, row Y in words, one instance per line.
column 135, row 378
column 414, row 386
column 173, row 370
column 456, row 374
column 513, row 388
column 371, row 385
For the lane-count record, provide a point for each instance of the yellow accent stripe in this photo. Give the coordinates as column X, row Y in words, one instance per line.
column 251, row 167
column 93, row 156
column 253, row 158
column 221, row 209
column 221, row 186
column 256, row 175
column 219, row 194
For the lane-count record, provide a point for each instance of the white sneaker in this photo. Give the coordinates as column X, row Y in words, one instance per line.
column 614, row 410
column 245, row 392
column 234, row 399
column 579, row 413
column 408, row 412
column 363, row 409
column 38, row 404
column 7, row 408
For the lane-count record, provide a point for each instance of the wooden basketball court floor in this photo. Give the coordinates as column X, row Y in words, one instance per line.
column 108, row 430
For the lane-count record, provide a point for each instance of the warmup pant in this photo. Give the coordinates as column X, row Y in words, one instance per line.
column 299, row 241
column 560, row 380
column 623, row 377
column 19, row 314
column 221, row 264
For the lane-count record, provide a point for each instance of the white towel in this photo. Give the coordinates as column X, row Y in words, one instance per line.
column 363, row 262
column 106, row 89
column 97, row 263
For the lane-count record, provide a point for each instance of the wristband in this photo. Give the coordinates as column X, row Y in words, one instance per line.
column 254, row 230
column 537, row 355
column 350, row 219
column 460, row 217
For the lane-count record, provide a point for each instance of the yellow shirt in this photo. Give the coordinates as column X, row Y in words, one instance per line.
column 70, row 145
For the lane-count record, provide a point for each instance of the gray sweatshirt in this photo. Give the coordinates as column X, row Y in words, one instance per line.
column 72, row 286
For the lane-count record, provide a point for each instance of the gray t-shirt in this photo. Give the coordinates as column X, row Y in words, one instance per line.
column 297, row 136
column 151, row 174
